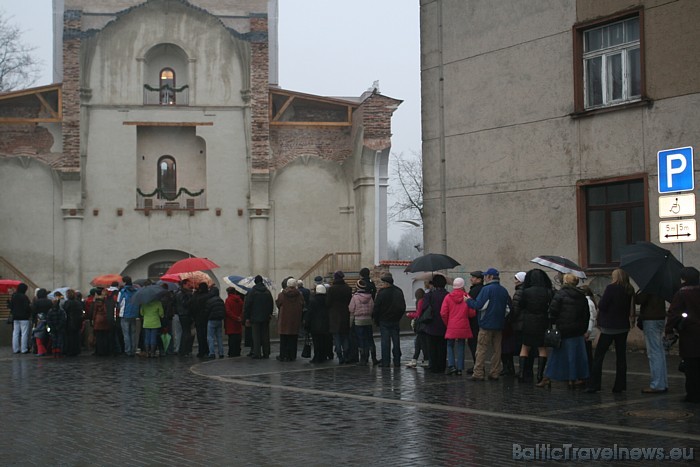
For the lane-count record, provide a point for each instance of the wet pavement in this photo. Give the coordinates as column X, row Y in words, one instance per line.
column 239, row 411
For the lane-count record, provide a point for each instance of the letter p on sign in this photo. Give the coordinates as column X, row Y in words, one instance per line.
column 676, row 170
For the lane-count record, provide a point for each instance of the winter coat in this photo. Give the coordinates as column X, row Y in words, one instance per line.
column 234, row 314
column 317, row 315
column 516, row 317
column 152, row 313
column 533, row 308
column 455, row 314
column 491, row 306
column 99, row 315
column 40, row 331
column 56, row 320
column 198, row 307
column 215, row 306
column 291, row 304
column 434, row 299
column 686, row 300
column 20, row 307
column 614, row 308
column 361, row 307
column 338, row 298
column 74, row 315
column 258, row 304
column 41, row 306
column 182, row 300
column 390, row 305
column 569, row 311
column 651, row 307
column 127, row 307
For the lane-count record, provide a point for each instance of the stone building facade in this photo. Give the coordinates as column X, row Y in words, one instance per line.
column 167, row 135
column 542, row 121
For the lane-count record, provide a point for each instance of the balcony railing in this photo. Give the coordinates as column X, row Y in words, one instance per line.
column 182, row 199
column 166, row 95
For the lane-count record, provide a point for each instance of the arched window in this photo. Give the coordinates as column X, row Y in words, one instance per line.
column 156, row 270
column 167, row 177
column 167, row 86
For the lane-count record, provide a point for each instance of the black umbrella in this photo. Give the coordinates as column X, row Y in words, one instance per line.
column 561, row 264
column 431, row 262
column 148, row 294
column 654, row 269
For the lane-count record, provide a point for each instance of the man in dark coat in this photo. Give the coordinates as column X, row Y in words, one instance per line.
column 200, row 316
column 338, row 300
column 476, row 278
column 20, row 308
column 183, row 336
column 257, row 310
column 389, row 307
column 684, row 318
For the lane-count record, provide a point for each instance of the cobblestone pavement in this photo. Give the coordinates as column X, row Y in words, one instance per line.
column 239, row 411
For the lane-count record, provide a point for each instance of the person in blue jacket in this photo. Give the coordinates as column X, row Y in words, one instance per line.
column 492, row 305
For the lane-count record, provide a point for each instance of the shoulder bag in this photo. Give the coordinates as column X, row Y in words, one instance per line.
column 552, row 337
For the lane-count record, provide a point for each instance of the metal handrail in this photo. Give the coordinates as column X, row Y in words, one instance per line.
column 331, row 262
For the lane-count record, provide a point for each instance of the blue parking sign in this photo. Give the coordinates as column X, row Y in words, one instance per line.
column 676, row 170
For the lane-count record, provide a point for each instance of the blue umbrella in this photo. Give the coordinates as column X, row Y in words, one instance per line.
column 148, row 294
column 61, row 290
column 234, row 280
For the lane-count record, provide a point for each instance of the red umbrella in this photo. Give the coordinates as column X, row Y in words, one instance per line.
column 7, row 284
column 170, row 278
column 191, row 265
column 105, row 280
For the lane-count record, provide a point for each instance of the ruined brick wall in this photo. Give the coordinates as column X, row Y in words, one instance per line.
column 25, row 140
column 374, row 114
column 290, row 142
column 72, row 20
column 259, row 84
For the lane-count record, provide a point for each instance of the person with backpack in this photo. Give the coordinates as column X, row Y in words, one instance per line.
column 129, row 312
column 216, row 312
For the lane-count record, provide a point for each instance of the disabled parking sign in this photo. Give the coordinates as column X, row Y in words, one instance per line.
column 676, row 170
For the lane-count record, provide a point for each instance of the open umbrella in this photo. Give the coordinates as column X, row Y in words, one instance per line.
column 61, row 290
column 654, row 269
column 148, row 294
column 7, row 284
column 197, row 277
column 249, row 282
column 431, row 262
column 561, row 264
column 170, row 278
column 192, row 264
column 172, row 286
column 233, row 281
column 105, row 280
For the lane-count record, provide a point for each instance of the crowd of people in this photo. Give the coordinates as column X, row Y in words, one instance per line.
column 557, row 327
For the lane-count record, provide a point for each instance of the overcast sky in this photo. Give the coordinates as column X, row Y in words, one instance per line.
column 326, row 47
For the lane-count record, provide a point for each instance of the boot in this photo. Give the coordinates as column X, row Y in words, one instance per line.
column 541, row 363
column 522, row 363
column 508, row 367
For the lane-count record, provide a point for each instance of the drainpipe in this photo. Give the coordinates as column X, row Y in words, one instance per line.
column 441, row 116
column 377, row 204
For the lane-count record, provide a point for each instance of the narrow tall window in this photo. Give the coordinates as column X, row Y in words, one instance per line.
column 609, row 64
column 167, row 177
column 167, row 86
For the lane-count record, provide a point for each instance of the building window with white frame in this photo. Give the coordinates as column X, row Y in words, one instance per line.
column 609, row 62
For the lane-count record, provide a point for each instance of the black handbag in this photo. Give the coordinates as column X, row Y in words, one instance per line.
column 426, row 317
column 306, row 351
column 552, row 337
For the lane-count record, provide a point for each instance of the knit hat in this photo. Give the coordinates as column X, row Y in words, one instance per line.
column 458, row 283
column 320, row 289
column 338, row 275
column 361, row 285
column 520, row 276
column 388, row 278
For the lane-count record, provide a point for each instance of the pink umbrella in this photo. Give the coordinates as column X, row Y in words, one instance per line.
column 170, row 278
column 192, row 264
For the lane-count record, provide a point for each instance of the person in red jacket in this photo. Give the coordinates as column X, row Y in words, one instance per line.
column 233, row 321
column 455, row 313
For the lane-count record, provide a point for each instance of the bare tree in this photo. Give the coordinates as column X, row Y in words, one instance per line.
column 409, row 246
column 18, row 68
column 408, row 174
